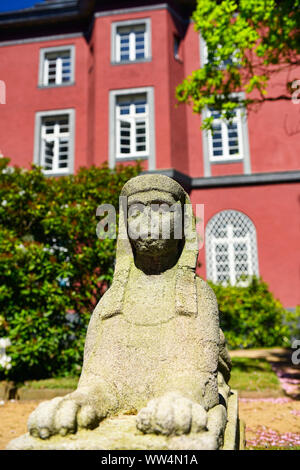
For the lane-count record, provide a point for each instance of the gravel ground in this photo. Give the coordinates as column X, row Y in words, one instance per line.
column 280, row 418
column 13, row 419
column 271, row 421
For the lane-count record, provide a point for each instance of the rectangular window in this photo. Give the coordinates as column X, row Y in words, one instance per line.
column 225, row 141
column 131, row 41
column 55, row 142
column 57, row 66
column 132, row 125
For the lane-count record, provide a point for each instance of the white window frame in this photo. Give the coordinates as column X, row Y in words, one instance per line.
column 229, row 240
column 39, row 140
column 115, row 41
column 204, row 55
column 43, row 68
column 132, row 119
column 115, row 155
column 242, row 157
column 225, row 140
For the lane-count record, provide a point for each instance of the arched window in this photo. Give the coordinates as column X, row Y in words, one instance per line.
column 231, row 249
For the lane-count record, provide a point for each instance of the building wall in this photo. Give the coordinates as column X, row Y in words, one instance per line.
column 273, row 129
column 178, row 114
column 191, row 58
column 274, row 133
column 19, row 70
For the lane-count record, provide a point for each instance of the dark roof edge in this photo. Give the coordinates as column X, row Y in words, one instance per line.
column 66, row 10
column 181, row 178
column 190, row 183
column 42, row 13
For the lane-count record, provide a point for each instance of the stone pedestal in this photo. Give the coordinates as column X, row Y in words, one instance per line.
column 120, row 433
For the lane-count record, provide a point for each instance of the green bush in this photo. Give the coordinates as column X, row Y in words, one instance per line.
column 250, row 316
column 292, row 319
column 52, row 264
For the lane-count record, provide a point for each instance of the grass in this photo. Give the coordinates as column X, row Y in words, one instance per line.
column 247, row 374
column 53, row 383
column 254, row 375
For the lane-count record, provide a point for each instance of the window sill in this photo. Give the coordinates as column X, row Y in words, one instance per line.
column 57, row 174
column 226, row 160
column 127, row 62
column 56, row 86
column 127, row 159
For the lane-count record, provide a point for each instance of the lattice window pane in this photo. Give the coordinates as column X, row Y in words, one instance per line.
column 66, row 69
column 140, row 44
column 124, row 46
column 125, row 137
column 51, row 71
column 55, row 143
column 131, row 43
column 231, row 251
column 63, row 153
column 140, row 106
column 217, row 140
column 63, row 125
column 49, row 155
column 225, row 140
column 132, row 125
column 57, row 68
column 141, row 136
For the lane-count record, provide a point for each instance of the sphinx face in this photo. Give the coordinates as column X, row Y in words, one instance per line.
column 154, row 222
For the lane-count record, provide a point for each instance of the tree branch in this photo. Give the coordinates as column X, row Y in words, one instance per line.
column 273, row 98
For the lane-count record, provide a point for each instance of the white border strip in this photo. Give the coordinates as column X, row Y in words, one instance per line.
column 123, row 11
column 56, row 37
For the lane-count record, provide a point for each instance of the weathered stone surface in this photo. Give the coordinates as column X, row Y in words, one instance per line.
column 153, row 344
column 234, row 435
column 172, row 414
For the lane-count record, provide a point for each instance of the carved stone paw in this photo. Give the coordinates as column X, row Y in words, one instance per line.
column 172, row 414
column 62, row 415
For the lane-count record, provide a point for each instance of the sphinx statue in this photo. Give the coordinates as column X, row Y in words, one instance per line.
column 154, row 350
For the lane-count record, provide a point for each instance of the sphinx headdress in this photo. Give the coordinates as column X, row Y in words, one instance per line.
column 185, row 286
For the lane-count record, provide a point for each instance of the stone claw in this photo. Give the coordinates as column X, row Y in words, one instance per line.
column 172, row 414
column 62, row 415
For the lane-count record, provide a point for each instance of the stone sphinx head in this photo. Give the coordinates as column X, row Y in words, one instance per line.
column 155, row 221
column 157, row 202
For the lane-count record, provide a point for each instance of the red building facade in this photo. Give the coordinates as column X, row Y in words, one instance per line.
column 91, row 81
